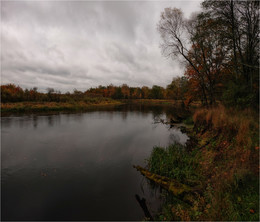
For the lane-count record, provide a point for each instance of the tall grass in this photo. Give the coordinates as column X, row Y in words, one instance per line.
column 57, row 106
column 225, row 160
column 174, row 162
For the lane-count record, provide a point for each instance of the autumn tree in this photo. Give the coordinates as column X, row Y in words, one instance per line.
column 240, row 28
column 177, row 88
column 208, row 55
column 240, row 25
column 157, row 92
column 11, row 93
column 194, row 41
column 33, row 94
column 118, row 93
column 125, row 91
column 145, row 91
column 136, row 93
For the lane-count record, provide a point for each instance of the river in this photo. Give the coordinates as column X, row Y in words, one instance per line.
column 79, row 166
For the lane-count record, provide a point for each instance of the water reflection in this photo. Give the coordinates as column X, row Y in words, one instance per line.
column 79, row 166
column 176, row 136
column 35, row 120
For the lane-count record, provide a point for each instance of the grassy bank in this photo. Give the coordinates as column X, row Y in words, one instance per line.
column 224, row 162
column 81, row 105
column 155, row 101
column 162, row 102
column 56, row 106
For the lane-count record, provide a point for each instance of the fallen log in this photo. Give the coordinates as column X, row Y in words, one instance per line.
column 171, row 185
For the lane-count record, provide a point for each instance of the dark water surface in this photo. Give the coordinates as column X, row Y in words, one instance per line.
column 78, row 166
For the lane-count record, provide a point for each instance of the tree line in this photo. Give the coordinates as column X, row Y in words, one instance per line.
column 175, row 90
column 219, row 47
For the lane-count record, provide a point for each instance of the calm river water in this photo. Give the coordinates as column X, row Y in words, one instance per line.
column 78, row 166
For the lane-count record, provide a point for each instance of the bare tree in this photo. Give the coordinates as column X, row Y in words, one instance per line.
column 192, row 40
column 174, row 31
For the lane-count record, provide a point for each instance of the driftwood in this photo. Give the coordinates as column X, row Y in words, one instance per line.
column 171, row 185
column 172, row 121
column 143, row 205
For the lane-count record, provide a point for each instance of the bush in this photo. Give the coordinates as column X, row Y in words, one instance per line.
column 237, row 95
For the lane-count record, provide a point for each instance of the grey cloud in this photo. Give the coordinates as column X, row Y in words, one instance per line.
column 120, row 53
column 82, row 44
column 102, row 68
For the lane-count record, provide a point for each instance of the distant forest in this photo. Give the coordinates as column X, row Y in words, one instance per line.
column 176, row 91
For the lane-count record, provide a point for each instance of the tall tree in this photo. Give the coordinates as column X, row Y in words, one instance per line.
column 194, row 40
column 240, row 25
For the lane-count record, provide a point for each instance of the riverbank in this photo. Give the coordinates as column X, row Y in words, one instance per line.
column 81, row 105
column 163, row 102
column 56, row 106
column 224, row 163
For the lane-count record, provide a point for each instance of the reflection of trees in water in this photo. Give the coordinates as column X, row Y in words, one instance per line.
column 174, row 138
column 170, row 112
column 140, row 109
column 158, row 112
column 54, row 120
column 110, row 115
column 21, row 123
column 24, row 121
column 78, row 117
column 35, row 121
column 124, row 115
column 50, row 120
column 6, row 122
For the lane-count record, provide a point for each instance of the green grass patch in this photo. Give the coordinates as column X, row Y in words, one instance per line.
column 244, row 198
column 188, row 121
column 174, row 162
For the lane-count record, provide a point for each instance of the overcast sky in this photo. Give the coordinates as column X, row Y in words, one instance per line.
column 83, row 44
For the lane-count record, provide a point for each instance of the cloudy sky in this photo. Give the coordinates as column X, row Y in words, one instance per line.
column 83, row 44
